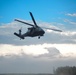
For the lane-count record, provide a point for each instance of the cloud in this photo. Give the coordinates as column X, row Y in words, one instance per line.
column 29, row 64
column 70, row 22
column 7, row 36
column 12, row 45
column 72, row 15
column 6, row 50
column 52, row 53
column 59, row 51
column 40, row 50
column 40, row 58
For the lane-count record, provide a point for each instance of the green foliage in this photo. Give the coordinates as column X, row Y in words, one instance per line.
column 65, row 71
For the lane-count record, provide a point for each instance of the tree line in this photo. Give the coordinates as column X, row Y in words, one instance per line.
column 65, row 70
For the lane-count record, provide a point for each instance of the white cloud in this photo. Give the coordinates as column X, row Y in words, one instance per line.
column 18, row 50
column 46, row 50
column 7, row 36
column 72, row 15
column 70, row 22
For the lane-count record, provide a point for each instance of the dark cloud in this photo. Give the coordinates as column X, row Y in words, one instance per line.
column 30, row 64
column 52, row 53
column 23, row 64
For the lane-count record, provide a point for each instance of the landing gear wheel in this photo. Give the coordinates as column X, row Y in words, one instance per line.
column 39, row 37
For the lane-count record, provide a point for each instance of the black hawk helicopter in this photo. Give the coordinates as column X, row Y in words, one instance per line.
column 33, row 31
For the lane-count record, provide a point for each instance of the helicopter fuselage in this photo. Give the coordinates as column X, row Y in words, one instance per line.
column 32, row 32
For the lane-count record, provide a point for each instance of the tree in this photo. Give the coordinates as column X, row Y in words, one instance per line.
column 65, row 70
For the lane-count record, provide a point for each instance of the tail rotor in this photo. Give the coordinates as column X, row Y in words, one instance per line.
column 20, row 30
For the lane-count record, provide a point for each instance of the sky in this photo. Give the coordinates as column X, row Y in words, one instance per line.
column 33, row 55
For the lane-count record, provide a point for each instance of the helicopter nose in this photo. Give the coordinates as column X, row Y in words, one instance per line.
column 43, row 32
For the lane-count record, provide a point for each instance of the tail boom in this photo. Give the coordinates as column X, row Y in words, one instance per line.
column 20, row 36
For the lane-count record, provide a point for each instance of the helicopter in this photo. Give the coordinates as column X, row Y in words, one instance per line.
column 33, row 31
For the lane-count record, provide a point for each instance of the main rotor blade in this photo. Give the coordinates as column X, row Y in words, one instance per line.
column 33, row 19
column 53, row 29
column 23, row 22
